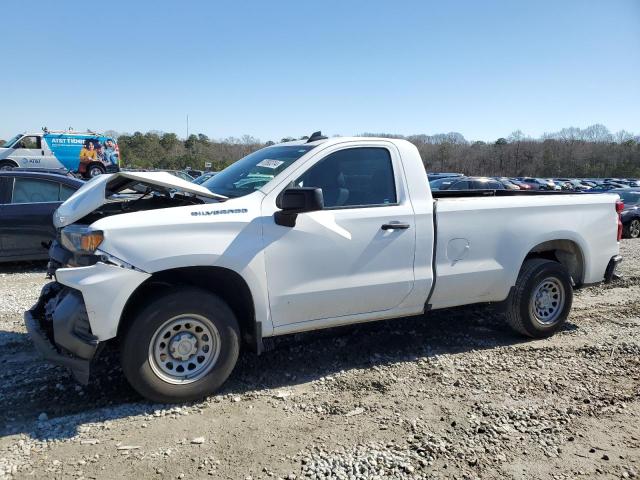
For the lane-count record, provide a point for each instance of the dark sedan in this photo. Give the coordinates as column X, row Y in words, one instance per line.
column 438, row 175
column 27, row 203
column 508, row 183
column 466, row 183
column 537, row 183
column 631, row 212
column 607, row 187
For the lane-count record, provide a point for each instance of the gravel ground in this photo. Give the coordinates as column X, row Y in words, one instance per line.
column 450, row 395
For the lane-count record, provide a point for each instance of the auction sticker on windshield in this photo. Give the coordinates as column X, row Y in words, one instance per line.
column 268, row 163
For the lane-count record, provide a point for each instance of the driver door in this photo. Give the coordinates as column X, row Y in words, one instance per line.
column 340, row 261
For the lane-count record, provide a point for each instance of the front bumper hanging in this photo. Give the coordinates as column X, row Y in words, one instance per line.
column 59, row 327
column 610, row 272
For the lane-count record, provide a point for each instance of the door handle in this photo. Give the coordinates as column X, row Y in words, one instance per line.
column 395, row 226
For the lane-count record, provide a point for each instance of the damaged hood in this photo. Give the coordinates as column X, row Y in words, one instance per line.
column 97, row 191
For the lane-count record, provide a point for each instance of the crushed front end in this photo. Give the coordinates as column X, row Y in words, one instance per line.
column 82, row 307
column 80, row 310
column 59, row 326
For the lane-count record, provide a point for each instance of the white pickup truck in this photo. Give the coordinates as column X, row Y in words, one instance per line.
column 294, row 237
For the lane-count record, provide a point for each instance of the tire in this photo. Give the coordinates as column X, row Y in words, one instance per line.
column 632, row 229
column 7, row 165
column 152, row 346
column 95, row 169
column 543, row 318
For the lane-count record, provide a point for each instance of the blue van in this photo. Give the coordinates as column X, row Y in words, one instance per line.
column 88, row 154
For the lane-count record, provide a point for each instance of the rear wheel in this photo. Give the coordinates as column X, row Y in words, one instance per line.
column 95, row 169
column 632, row 229
column 540, row 302
column 181, row 347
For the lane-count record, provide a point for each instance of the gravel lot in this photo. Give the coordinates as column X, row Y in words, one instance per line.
column 448, row 395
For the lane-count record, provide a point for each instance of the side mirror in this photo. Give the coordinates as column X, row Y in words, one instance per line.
column 297, row 200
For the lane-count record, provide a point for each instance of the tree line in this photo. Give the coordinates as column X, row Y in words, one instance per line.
column 570, row 152
column 167, row 151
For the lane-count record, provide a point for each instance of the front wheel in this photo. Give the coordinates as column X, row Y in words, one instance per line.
column 181, row 347
column 540, row 302
column 6, row 165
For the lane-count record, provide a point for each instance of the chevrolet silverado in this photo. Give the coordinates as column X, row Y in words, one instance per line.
column 295, row 237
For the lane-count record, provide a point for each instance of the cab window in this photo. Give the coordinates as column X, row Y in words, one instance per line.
column 354, row 177
column 29, row 190
column 33, row 142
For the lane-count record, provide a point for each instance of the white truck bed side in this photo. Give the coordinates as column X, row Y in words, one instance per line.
column 482, row 241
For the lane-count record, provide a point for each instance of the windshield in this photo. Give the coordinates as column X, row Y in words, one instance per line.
column 11, row 141
column 203, row 178
column 255, row 170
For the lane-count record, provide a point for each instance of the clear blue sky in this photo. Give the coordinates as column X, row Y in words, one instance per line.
column 272, row 69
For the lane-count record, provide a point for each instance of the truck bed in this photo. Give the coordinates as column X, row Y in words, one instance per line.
column 481, row 243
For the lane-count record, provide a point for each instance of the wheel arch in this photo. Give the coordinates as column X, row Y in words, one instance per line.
column 223, row 282
column 565, row 251
column 9, row 161
column 95, row 164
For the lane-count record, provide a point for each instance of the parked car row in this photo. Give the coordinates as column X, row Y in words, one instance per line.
column 628, row 189
column 466, row 183
column 458, row 181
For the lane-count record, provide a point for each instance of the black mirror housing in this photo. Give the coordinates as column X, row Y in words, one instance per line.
column 297, row 200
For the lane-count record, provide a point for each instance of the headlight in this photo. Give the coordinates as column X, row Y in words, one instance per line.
column 80, row 239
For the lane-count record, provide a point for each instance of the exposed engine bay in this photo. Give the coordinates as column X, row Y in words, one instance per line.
column 129, row 203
